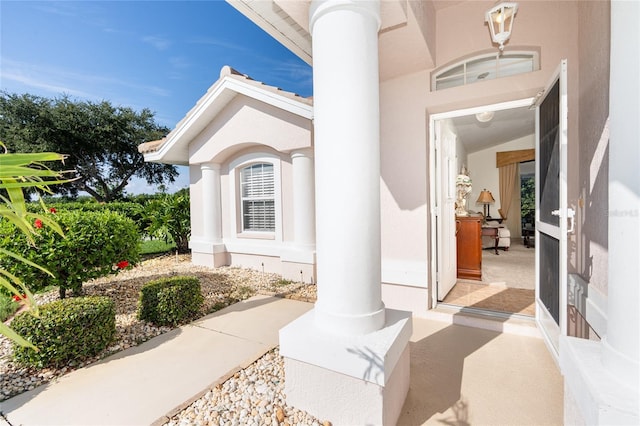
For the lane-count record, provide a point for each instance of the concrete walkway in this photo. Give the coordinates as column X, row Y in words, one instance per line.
column 141, row 385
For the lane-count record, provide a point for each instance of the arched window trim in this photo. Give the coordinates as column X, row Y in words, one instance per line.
column 257, row 197
column 236, row 206
column 492, row 64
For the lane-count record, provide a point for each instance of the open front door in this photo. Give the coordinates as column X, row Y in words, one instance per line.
column 446, row 223
column 551, row 208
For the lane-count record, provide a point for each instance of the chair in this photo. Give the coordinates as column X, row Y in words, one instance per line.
column 504, row 235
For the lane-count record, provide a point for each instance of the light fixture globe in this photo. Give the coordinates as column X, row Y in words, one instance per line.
column 500, row 19
column 485, row 116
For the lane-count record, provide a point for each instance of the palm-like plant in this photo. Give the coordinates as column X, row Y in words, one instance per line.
column 17, row 172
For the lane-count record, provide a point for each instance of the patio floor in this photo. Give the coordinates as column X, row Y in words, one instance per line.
column 470, row 376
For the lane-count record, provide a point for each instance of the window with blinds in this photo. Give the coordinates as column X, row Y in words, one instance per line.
column 257, row 188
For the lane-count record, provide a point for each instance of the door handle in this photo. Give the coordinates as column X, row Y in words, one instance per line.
column 571, row 215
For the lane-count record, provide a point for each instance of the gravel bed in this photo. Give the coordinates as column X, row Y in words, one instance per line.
column 220, row 287
column 253, row 397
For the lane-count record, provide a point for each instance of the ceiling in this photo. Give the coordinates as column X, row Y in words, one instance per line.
column 506, row 125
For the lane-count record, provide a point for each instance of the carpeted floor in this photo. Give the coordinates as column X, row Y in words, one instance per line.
column 508, row 282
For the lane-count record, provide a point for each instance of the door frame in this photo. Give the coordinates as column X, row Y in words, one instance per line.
column 435, row 186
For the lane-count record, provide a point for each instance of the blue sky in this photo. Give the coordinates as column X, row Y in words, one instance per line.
column 161, row 55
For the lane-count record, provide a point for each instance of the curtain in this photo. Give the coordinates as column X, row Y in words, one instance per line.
column 508, row 177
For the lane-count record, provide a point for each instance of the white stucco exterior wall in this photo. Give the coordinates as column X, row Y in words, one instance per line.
column 404, row 213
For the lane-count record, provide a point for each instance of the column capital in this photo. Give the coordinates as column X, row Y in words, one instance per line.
column 319, row 8
column 210, row 166
column 303, row 152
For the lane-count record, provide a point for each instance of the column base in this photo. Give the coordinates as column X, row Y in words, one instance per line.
column 205, row 253
column 348, row 379
column 593, row 396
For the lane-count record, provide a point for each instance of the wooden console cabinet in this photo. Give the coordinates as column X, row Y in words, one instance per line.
column 469, row 247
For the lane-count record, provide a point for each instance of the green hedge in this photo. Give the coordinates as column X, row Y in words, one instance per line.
column 170, row 301
column 93, row 246
column 132, row 210
column 66, row 330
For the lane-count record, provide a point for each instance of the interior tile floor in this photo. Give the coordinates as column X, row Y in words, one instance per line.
column 501, row 288
column 492, row 297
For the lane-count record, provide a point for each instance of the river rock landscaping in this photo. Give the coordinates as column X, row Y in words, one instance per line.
column 253, row 397
column 220, row 288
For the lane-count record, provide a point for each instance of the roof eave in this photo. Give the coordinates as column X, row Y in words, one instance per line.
column 268, row 19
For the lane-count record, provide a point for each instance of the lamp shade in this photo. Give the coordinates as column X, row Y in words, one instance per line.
column 500, row 20
column 485, row 197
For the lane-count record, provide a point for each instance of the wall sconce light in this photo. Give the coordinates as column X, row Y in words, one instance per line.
column 486, row 198
column 500, row 19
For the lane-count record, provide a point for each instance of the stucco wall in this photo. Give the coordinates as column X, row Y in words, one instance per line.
column 246, row 121
column 404, row 170
column 594, row 156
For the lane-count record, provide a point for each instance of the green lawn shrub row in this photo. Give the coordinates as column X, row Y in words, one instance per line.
column 66, row 330
column 95, row 244
column 170, row 301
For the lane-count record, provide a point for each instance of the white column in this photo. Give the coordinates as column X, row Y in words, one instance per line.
column 347, row 360
column 304, row 216
column 620, row 345
column 347, row 163
column 211, row 208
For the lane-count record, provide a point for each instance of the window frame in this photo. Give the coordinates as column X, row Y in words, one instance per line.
column 489, row 61
column 235, row 192
column 258, row 188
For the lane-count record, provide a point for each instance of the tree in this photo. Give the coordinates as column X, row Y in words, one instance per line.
column 100, row 140
column 528, row 199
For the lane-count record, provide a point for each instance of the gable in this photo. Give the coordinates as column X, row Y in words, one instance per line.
column 174, row 149
column 245, row 122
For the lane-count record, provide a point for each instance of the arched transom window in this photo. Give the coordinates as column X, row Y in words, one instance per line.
column 257, row 189
column 485, row 67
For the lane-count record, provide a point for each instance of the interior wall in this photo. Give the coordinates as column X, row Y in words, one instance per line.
column 484, row 173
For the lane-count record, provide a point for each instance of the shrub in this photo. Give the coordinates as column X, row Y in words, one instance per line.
column 169, row 218
column 7, row 306
column 66, row 330
column 170, row 301
column 93, row 244
column 134, row 211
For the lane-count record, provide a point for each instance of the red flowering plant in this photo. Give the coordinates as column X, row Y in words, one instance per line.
column 95, row 244
column 122, row 264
